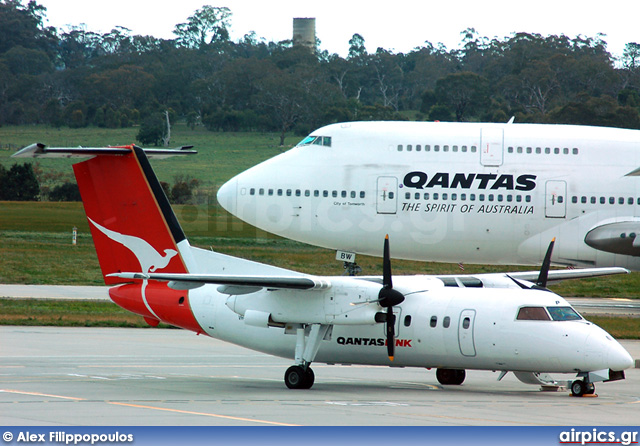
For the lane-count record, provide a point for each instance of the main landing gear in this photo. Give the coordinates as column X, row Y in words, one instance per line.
column 450, row 377
column 580, row 388
column 296, row 377
column 300, row 375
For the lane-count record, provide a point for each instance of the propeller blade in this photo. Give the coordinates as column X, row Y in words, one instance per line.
column 391, row 335
column 386, row 264
column 546, row 264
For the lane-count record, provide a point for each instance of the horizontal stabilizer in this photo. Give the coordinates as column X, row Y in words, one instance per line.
column 39, row 150
column 275, row 282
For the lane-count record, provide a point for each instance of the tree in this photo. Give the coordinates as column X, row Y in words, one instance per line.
column 464, row 92
column 19, row 183
column 206, row 26
column 65, row 192
column 152, row 130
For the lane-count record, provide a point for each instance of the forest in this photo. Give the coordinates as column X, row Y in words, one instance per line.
column 77, row 78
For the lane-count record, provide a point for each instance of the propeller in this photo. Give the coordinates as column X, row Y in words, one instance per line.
column 546, row 264
column 388, row 297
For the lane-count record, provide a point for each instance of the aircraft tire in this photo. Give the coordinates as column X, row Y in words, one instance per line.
column 309, row 378
column 450, row 377
column 578, row 388
column 297, row 378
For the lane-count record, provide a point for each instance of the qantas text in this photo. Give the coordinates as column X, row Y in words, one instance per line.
column 373, row 341
column 420, row 180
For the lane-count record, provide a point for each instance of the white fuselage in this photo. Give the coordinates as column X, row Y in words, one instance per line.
column 453, row 192
column 435, row 327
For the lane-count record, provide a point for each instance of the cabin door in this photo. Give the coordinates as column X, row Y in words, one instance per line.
column 387, row 195
column 491, row 146
column 555, row 199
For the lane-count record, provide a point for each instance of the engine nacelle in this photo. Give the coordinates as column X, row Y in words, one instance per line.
column 337, row 306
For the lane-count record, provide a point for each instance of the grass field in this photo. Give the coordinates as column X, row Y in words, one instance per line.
column 35, row 238
column 221, row 155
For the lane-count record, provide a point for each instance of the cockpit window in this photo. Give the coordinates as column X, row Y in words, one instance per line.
column 316, row 141
column 564, row 314
column 532, row 314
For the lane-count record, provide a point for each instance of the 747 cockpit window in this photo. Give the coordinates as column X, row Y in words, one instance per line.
column 316, row 141
column 563, row 314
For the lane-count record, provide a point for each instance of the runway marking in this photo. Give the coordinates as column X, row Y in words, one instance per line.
column 205, row 414
column 20, row 392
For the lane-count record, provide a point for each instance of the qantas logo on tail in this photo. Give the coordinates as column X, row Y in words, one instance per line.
column 150, row 259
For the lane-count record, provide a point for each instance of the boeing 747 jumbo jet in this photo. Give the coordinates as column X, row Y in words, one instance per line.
column 452, row 192
column 497, row 322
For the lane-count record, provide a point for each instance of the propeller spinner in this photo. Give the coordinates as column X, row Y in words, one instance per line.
column 388, row 297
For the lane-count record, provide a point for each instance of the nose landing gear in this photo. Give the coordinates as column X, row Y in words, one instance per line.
column 581, row 388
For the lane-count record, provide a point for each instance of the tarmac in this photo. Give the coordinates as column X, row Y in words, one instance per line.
column 52, row 376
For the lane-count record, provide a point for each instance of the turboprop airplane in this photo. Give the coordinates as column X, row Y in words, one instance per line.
column 453, row 192
column 499, row 322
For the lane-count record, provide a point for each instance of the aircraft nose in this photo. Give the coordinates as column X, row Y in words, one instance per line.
column 618, row 358
column 228, row 195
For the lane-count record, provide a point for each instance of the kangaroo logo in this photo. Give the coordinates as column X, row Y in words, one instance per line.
column 150, row 259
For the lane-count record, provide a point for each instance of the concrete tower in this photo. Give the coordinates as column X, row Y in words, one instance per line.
column 304, row 32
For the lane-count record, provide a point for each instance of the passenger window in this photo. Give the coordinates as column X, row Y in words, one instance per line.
column 391, row 195
column 288, row 192
column 279, row 192
column 316, row 193
column 298, row 192
column 399, row 147
column 307, row 193
column 261, row 191
column 466, row 323
column 446, row 322
column 407, row 321
column 252, row 191
column 532, row 314
column 325, row 193
column 334, row 193
column 270, row 192
column 353, row 194
column 436, row 148
column 362, row 194
column 418, row 147
column 434, row 321
column 409, row 147
column 344, row 194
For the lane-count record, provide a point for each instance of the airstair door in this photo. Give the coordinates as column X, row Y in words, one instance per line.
column 465, row 333
column 387, row 195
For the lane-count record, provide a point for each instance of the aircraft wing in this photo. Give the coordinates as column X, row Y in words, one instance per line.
column 189, row 281
column 563, row 274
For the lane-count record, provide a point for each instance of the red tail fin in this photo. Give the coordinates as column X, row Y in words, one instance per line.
column 132, row 224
